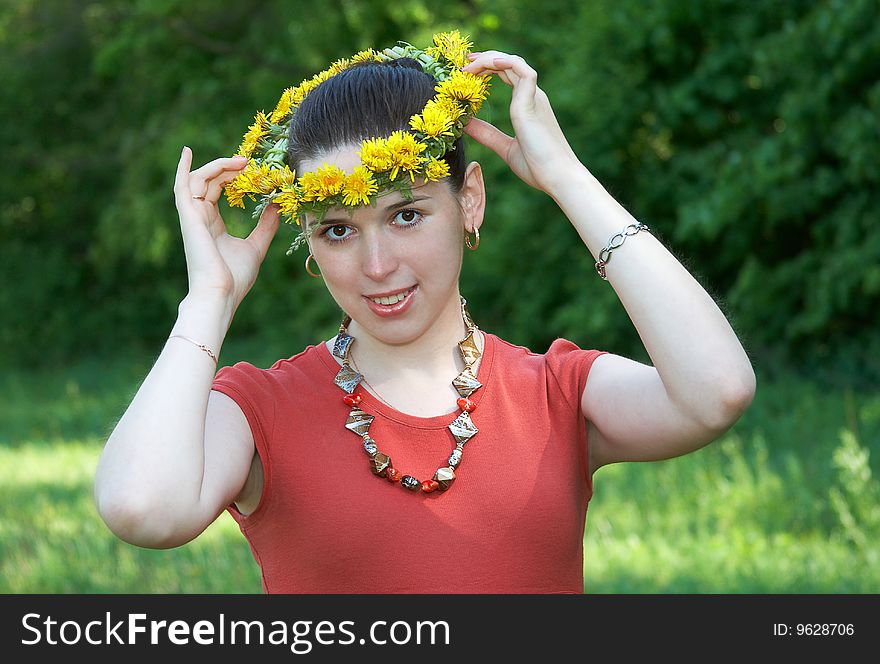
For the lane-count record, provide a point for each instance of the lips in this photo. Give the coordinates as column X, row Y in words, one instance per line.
column 395, row 309
column 391, row 298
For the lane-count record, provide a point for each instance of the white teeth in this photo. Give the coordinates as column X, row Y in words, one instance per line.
column 393, row 299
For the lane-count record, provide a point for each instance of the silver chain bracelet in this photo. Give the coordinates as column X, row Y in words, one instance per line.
column 616, row 240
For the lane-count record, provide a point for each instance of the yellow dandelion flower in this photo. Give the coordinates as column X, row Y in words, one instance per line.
column 265, row 179
column 302, row 90
column 288, row 201
column 256, row 179
column 338, row 66
column 282, row 108
column 367, row 55
column 375, row 155
column 282, row 177
column 319, row 78
column 247, row 182
column 436, row 169
column 234, row 194
column 450, row 107
column 262, row 179
column 254, row 133
column 332, row 180
column 406, row 153
column 464, row 87
column 452, row 46
column 311, row 186
column 323, row 182
column 359, row 186
column 434, row 120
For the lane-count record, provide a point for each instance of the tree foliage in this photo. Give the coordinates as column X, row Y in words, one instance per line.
column 745, row 135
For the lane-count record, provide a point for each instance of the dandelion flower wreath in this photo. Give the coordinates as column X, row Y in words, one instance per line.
column 387, row 163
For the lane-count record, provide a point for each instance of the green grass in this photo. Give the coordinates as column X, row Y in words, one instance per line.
column 787, row 501
column 53, row 541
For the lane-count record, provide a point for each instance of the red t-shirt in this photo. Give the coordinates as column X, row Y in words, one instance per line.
column 512, row 521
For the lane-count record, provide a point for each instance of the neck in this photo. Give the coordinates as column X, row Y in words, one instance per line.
column 434, row 353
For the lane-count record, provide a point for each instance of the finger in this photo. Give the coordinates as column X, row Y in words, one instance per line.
column 490, row 136
column 265, row 229
column 215, row 186
column 483, row 61
column 488, row 68
column 512, row 69
column 484, row 57
column 192, row 226
column 526, row 85
column 202, row 175
column 181, row 177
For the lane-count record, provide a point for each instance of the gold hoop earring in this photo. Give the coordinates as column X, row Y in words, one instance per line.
column 311, row 274
column 467, row 239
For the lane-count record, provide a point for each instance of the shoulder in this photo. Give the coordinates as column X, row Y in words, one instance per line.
column 306, row 361
column 560, row 352
column 564, row 366
column 559, row 346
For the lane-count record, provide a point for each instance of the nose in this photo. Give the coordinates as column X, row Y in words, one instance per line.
column 379, row 259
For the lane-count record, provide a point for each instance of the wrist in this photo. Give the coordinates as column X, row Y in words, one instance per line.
column 568, row 180
column 206, row 310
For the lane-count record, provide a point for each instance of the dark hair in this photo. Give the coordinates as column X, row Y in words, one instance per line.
column 367, row 100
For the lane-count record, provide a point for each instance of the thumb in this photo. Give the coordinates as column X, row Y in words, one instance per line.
column 265, row 229
column 490, row 136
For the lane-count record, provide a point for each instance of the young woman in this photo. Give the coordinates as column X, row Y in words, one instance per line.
column 412, row 452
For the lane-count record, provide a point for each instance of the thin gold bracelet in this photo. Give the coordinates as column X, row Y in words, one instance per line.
column 202, row 346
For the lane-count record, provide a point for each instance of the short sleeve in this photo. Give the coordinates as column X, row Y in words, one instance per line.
column 568, row 367
column 252, row 389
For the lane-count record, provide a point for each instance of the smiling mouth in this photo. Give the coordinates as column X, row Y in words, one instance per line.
column 392, row 299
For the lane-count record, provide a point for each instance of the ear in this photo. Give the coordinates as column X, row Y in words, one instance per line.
column 473, row 197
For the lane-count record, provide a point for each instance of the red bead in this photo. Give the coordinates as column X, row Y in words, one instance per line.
column 393, row 475
column 352, row 399
column 466, row 405
column 430, row 485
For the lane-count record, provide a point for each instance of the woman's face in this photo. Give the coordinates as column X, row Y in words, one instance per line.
column 398, row 247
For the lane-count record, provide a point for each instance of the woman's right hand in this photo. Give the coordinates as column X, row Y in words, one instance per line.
column 218, row 264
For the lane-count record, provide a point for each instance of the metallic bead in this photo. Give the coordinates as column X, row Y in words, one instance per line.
column 340, row 348
column 466, row 382
column 410, row 483
column 454, row 458
column 358, row 421
column 444, row 477
column 379, row 463
column 462, row 428
column 468, row 347
column 348, row 379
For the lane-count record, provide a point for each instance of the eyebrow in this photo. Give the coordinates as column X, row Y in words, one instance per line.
column 335, row 220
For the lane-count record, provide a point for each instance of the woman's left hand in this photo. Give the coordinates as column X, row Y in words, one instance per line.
column 539, row 152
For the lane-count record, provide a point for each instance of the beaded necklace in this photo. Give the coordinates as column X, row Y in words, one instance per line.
column 462, row 428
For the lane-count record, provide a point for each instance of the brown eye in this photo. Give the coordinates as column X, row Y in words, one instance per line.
column 408, row 218
column 335, row 233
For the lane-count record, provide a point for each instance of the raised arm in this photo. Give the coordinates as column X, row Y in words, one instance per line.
column 180, row 453
column 702, row 379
